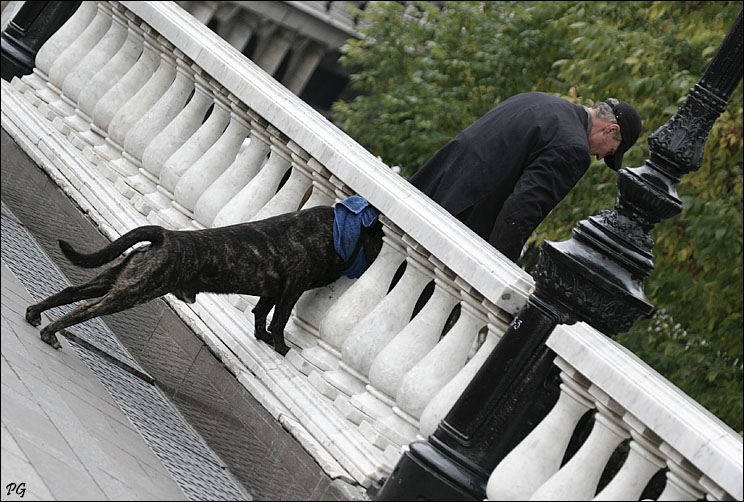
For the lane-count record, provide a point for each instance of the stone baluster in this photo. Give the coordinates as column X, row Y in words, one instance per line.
column 117, row 96
column 52, row 50
column 373, row 332
column 131, row 111
column 213, row 163
column 405, row 349
column 259, row 190
column 204, row 139
column 539, row 455
column 289, row 196
column 391, row 365
column 273, row 45
column 155, row 120
column 713, row 490
column 136, row 124
column 70, row 58
column 578, row 478
column 305, row 59
column 169, row 140
column 202, row 11
column 433, row 371
column 113, row 71
column 361, row 297
column 682, row 478
column 443, row 401
column 238, row 30
column 186, row 155
column 643, row 461
column 80, row 77
column 322, row 191
column 247, row 164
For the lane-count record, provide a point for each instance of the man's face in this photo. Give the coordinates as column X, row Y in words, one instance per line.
column 602, row 141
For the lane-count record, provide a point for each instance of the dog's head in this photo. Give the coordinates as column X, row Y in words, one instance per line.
column 371, row 240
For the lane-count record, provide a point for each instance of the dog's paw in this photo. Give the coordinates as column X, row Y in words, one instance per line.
column 33, row 317
column 264, row 336
column 50, row 338
column 282, row 349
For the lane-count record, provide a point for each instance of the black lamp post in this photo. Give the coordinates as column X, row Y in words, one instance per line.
column 34, row 23
column 596, row 277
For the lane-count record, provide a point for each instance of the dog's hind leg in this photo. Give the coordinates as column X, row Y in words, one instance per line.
column 112, row 302
column 260, row 311
column 281, row 315
column 98, row 286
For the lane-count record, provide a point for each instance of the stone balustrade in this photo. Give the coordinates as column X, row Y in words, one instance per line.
column 662, row 428
column 146, row 116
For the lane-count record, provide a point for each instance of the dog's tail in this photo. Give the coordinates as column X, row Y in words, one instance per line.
column 152, row 233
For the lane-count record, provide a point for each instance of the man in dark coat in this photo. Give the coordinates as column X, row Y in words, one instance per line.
column 503, row 175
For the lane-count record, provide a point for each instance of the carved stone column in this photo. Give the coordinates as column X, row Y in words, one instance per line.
column 595, row 277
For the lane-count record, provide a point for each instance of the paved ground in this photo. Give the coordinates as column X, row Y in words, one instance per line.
column 63, row 436
column 193, row 434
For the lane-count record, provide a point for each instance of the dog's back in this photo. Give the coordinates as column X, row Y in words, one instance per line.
column 258, row 258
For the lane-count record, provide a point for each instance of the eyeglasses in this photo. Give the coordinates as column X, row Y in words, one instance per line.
column 618, row 114
column 613, row 104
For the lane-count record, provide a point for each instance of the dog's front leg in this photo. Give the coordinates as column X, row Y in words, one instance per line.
column 281, row 315
column 260, row 311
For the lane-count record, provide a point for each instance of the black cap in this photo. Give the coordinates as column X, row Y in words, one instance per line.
column 630, row 128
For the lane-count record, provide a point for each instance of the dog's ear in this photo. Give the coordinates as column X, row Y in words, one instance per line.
column 371, row 238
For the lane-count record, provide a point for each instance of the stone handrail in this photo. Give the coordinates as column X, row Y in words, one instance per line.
column 143, row 115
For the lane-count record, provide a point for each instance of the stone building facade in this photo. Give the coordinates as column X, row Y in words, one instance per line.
column 296, row 42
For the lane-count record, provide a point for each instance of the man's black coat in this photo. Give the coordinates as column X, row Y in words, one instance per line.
column 503, row 175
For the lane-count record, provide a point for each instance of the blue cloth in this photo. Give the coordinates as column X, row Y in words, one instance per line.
column 349, row 216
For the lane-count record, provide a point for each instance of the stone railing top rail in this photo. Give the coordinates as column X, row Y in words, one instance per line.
column 695, row 433
column 457, row 247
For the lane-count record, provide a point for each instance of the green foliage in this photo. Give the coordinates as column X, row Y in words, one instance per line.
column 426, row 73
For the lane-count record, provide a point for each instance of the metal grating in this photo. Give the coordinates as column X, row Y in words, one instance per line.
column 198, row 471
column 42, row 278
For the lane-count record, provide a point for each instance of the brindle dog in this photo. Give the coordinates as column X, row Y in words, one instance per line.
column 276, row 259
